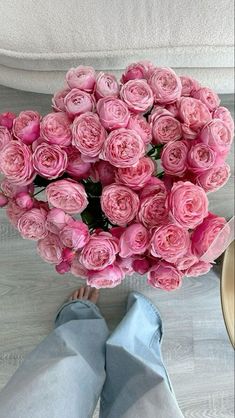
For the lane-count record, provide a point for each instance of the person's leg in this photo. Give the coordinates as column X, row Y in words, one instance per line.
column 64, row 375
column 137, row 384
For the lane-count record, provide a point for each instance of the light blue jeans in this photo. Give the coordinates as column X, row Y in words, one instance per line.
column 79, row 362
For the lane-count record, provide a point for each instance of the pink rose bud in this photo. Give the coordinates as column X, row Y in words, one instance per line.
column 141, row 266
column 26, row 127
column 68, row 254
column 3, row 200
column 5, row 137
column 106, row 85
column 82, row 78
column 24, row 200
column 6, row 119
column 139, row 70
column 63, row 267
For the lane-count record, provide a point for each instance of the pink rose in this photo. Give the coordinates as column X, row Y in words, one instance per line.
column 137, row 70
column 217, row 135
column 189, row 85
column 173, row 108
column 49, row 160
column 119, row 203
column 24, row 200
column 137, row 95
column 76, row 167
column 186, row 261
column 50, row 249
column 5, row 137
column 3, row 200
column 58, row 100
column 67, row 195
column 208, row 97
column 6, row 119
column 188, row 204
column 174, row 158
column 165, row 84
column 77, row 102
column 68, row 255
column 106, row 85
column 11, row 190
column 63, row 267
column 134, row 240
column 26, row 126
column 104, row 172
column 125, row 265
column 99, row 252
column 201, row 157
column 56, row 220
column 193, row 113
column 153, row 210
column 188, row 133
column 153, row 187
column 55, row 129
column 137, row 176
column 75, row 234
column 224, row 114
column 165, row 128
column 77, row 269
column 109, row 277
column 164, row 276
column 113, row 113
column 16, row 163
column 214, row 178
column 32, row 224
column 14, row 212
column 82, row 78
column 88, row 134
column 141, row 265
column 139, row 124
column 123, row 148
column 170, row 242
column 198, row 269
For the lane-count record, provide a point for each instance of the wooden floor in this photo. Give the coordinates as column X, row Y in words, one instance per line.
column 196, row 348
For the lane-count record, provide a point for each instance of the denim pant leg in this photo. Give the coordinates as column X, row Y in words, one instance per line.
column 137, row 384
column 64, row 375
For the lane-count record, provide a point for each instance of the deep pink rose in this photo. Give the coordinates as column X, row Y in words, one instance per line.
column 6, row 119
column 75, row 234
column 137, row 176
column 68, row 255
column 201, row 157
column 170, row 242
column 32, row 224
column 88, row 134
column 104, row 172
column 198, row 269
column 58, row 100
column 3, row 200
column 67, row 195
column 153, row 187
column 16, row 163
column 119, row 203
column 76, row 167
column 82, row 78
column 14, row 212
column 214, row 178
column 174, row 158
column 50, row 249
column 106, row 85
column 224, row 114
column 77, row 102
column 189, row 85
column 123, row 148
column 113, row 113
column 139, row 124
column 11, row 190
column 165, row 84
column 138, row 70
column 193, row 113
column 56, row 220
column 99, row 252
column 63, row 267
column 153, row 210
column 24, row 200
column 188, row 204
column 49, row 160
column 5, row 137
column 164, row 276
column 134, row 240
column 55, row 129
column 109, row 277
column 217, row 135
column 26, row 126
column 141, row 265
column 137, row 95
column 165, row 128
column 208, row 97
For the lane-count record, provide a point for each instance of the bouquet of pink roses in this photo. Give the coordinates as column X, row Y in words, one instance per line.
column 124, row 169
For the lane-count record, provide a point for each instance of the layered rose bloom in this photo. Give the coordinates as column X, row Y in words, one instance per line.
column 153, row 210
column 58, row 100
column 55, row 129
column 82, row 77
column 56, row 220
column 76, row 166
column 109, row 277
column 170, row 242
column 137, row 176
column 77, row 102
column 217, row 135
column 75, row 234
column 26, row 126
column 208, row 97
column 213, row 179
column 174, row 158
column 201, row 157
column 189, row 85
column 187, row 260
column 139, row 124
column 99, row 252
column 137, row 95
column 32, row 224
column 5, row 137
column 165, row 84
column 113, row 113
column 119, row 203
column 67, row 195
column 16, row 163
column 165, row 276
column 165, row 128
column 49, row 160
column 193, row 113
column 11, row 190
column 106, row 85
column 134, row 240
column 153, row 187
column 50, row 249
column 88, row 134
column 224, row 114
column 198, row 269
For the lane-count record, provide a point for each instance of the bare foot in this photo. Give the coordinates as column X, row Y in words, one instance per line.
column 86, row 293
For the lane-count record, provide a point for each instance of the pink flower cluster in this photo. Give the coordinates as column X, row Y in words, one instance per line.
column 117, row 134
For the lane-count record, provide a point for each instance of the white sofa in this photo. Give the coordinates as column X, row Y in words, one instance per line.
column 40, row 40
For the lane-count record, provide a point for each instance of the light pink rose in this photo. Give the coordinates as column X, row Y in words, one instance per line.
column 24, row 200
column 5, row 137
column 186, row 261
column 153, row 210
column 99, row 252
column 217, row 135
column 198, row 269
column 193, row 113
column 50, row 160
column 77, row 269
column 123, row 148
column 63, row 267
column 188, row 204
column 137, row 95
column 137, row 176
column 189, row 85
column 56, row 220
column 106, row 85
column 58, row 100
column 6, row 119
column 141, row 265
column 67, row 195
column 214, row 178
column 208, row 97
column 139, row 124
column 77, row 102
column 14, row 212
column 138, row 70
column 201, row 157
column 174, row 158
column 3, row 200
column 170, row 242
column 11, row 190
column 119, row 203
column 104, row 172
column 224, row 114
column 32, row 224
column 55, row 129
column 164, row 275
column 88, row 134
column 153, row 187
column 165, row 128
column 76, row 167
column 82, row 78
column 165, row 84
column 26, row 126
column 50, row 249
column 188, row 133
column 16, row 163
column 134, row 240
column 75, row 234
column 109, row 277
column 113, row 113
